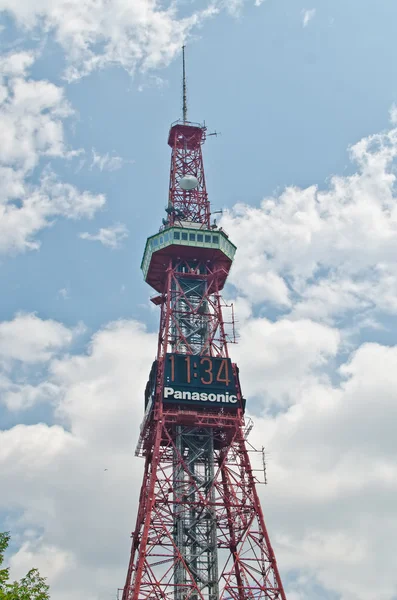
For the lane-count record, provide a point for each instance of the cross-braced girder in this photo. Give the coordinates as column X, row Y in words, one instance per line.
column 201, row 533
column 186, row 159
column 191, row 320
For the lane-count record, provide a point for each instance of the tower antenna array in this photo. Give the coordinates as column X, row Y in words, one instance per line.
column 184, row 90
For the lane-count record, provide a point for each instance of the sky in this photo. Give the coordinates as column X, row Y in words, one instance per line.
column 304, row 96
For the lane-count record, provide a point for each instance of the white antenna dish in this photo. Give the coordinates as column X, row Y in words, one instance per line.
column 188, row 182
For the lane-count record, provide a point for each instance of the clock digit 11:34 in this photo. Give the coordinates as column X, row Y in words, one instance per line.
column 205, row 369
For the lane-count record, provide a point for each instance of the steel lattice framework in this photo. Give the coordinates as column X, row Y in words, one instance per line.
column 200, row 533
column 191, row 315
column 186, row 159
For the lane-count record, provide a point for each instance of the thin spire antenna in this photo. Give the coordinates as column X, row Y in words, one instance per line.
column 184, row 92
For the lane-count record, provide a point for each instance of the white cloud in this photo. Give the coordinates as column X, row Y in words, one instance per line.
column 30, row 208
column 48, row 559
column 31, row 120
column 27, row 343
column 111, row 237
column 233, row 7
column 19, row 397
column 152, row 81
column 31, row 115
column 107, row 162
column 331, row 447
column 332, row 460
column 143, row 34
column 29, row 339
column 56, row 482
column 307, row 16
column 324, row 254
column 16, row 64
column 278, row 361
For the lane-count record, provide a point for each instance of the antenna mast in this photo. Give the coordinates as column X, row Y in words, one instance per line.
column 184, row 86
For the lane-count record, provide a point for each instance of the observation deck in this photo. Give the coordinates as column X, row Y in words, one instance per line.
column 189, row 244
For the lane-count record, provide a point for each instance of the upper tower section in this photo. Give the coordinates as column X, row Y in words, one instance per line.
column 188, row 198
column 187, row 240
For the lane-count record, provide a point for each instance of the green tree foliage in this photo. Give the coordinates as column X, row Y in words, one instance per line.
column 31, row 587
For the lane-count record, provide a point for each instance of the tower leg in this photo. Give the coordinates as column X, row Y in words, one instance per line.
column 200, row 532
column 252, row 573
column 140, row 535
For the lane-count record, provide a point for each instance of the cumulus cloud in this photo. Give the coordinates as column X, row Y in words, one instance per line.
column 328, row 429
column 57, row 485
column 111, row 237
column 48, row 559
column 35, row 208
column 322, row 254
column 32, row 114
column 332, row 458
column 26, row 344
column 278, row 360
column 331, row 453
column 29, row 339
column 143, row 34
column 18, row 397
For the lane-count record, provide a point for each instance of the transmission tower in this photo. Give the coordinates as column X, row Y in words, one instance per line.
column 200, row 533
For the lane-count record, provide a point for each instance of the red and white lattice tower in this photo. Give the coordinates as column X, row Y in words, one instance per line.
column 200, row 533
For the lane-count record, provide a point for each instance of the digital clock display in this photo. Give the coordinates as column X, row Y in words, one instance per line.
column 200, row 381
column 199, row 371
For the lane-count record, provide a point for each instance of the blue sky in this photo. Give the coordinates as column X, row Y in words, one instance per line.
column 304, row 98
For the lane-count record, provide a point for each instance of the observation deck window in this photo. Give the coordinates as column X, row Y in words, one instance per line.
column 192, row 237
column 215, row 239
column 177, row 235
column 207, row 239
column 184, row 236
column 200, row 237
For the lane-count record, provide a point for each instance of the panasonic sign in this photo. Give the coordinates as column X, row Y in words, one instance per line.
column 171, row 395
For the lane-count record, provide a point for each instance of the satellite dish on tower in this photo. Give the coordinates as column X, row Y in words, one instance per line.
column 188, row 182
